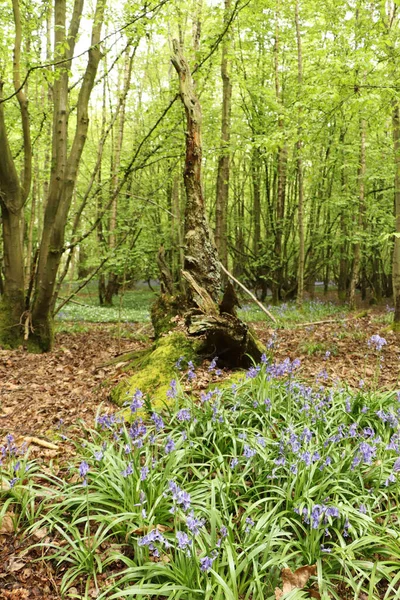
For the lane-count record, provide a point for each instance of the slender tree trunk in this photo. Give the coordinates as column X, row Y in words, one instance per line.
column 396, row 248
column 113, row 279
column 359, row 219
column 300, row 269
column 282, row 161
column 221, row 211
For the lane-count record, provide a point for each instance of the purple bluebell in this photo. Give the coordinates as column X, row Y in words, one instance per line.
column 137, row 401
column 206, row 563
column 83, row 469
column 377, row 342
column 169, row 446
column 234, row 462
column 194, row 524
column 249, row 452
column 183, row 415
column 128, row 471
column 172, row 392
column 98, row 454
column 158, row 422
column 190, row 373
column 144, row 471
column 183, row 540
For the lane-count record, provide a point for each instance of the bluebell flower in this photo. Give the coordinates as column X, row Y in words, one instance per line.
column 249, row 524
column 158, row 422
column 183, row 540
column 193, row 524
column 144, row 471
column 249, row 452
column 377, row 342
column 137, row 401
column 13, row 481
column 169, row 446
column 234, row 462
column 83, row 469
column 396, row 466
column 253, row 372
column 213, row 364
column 98, row 454
column 184, row 415
column 128, row 471
column 363, row 509
column 178, row 364
column 191, row 374
column 206, row 563
column 172, row 392
column 390, row 479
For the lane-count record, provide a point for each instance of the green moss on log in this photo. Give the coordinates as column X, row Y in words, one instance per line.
column 10, row 329
column 156, row 368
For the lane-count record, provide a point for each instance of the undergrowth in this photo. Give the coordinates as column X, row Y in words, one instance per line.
column 211, row 498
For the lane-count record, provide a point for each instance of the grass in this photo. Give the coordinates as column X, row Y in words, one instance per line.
column 133, row 306
column 288, row 313
column 210, row 499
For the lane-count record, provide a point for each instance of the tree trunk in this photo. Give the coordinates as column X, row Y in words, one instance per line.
column 200, row 253
column 65, row 166
column 13, row 195
column 217, row 325
column 396, row 248
column 359, row 219
column 300, row 268
column 282, row 160
column 221, row 211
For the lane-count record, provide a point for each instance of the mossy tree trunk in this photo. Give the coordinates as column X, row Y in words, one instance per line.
column 14, row 191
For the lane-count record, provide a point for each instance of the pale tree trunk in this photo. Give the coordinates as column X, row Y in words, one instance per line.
column 300, row 269
column 222, row 192
column 359, row 218
column 65, row 165
column 282, row 161
column 113, row 283
column 13, row 195
column 396, row 248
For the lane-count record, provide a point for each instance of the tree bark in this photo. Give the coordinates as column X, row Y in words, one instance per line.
column 300, row 268
column 13, row 195
column 222, row 192
column 65, row 166
column 360, row 217
column 282, row 162
column 396, row 248
column 200, row 253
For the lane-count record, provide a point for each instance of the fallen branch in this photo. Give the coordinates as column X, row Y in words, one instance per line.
column 39, row 442
column 326, row 321
column 252, row 296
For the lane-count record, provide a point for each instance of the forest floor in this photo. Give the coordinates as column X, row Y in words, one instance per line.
column 47, row 397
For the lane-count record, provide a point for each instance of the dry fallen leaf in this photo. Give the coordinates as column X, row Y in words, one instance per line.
column 39, row 534
column 15, row 565
column 298, row 579
column 7, row 524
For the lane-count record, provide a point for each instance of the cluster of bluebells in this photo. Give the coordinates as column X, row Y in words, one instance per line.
column 273, row 427
column 377, row 342
column 9, row 455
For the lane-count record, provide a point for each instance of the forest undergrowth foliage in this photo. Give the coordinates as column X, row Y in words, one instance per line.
column 212, row 497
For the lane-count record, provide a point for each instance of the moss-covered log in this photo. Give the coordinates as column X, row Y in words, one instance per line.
column 153, row 370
